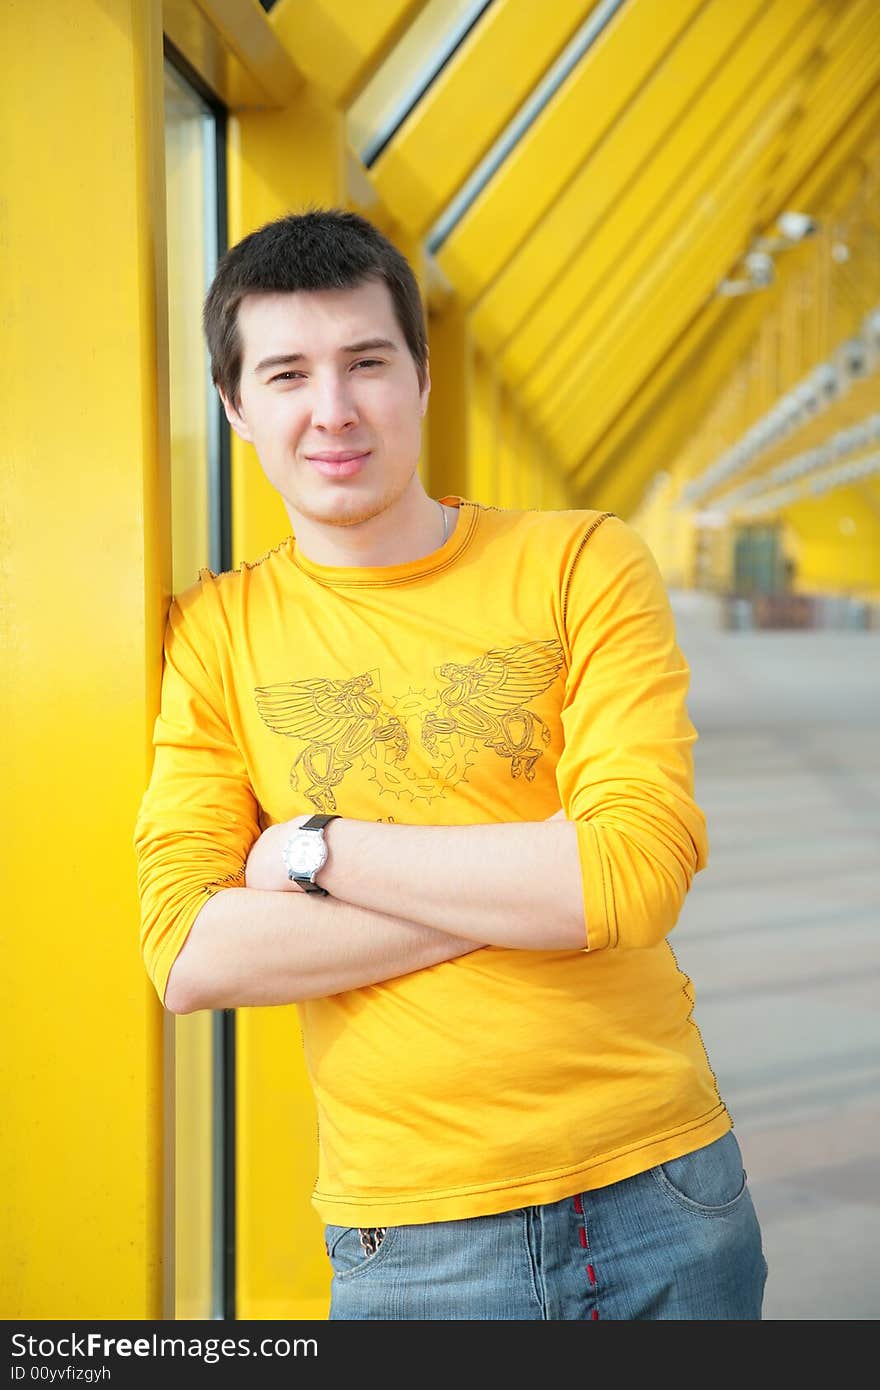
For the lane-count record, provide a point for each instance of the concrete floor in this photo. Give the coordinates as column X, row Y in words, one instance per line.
column 781, row 936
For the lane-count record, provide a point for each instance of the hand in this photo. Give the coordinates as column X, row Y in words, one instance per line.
column 557, row 815
column 265, row 867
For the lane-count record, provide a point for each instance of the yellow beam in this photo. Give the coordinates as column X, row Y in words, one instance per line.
column 656, row 208
column 847, row 77
column 233, row 49
column 338, row 44
column 688, row 245
column 670, row 294
column 524, row 191
column 447, row 417
column 636, row 177
column 482, row 428
column 847, row 143
column 468, row 105
column 658, row 420
column 85, row 585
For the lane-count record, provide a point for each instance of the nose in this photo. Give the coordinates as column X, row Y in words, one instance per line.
column 333, row 406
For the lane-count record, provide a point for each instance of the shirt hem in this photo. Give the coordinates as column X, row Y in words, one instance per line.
column 536, row 1190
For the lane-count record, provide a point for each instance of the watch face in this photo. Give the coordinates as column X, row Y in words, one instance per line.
column 305, row 852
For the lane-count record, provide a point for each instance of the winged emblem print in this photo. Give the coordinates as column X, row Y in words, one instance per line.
column 422, row 742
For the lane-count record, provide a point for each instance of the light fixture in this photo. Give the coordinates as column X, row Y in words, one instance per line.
column 759, row 274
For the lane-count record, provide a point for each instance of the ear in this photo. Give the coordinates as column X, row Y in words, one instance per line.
column 236, row 419
column 426, row 389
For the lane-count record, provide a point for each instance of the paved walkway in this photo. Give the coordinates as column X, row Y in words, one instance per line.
column 781, row 935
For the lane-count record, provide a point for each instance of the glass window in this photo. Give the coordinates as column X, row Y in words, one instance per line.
column 199, row 1048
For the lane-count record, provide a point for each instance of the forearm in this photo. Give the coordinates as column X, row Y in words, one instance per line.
column 249, row 947
column 515, row 884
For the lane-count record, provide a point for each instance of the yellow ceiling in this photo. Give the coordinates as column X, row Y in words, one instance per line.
column 584, row 174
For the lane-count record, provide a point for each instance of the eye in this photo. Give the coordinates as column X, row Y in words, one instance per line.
column 287, row 376
column 369, row 362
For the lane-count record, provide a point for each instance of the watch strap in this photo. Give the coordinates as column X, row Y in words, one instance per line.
column 318, row 822
column 313, row 823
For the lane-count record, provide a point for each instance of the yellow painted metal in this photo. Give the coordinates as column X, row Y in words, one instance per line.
column 279, row 161
column 234, row 49
column 659, row 420
column 281, row 1267
column 656, row 208
column 696, row 237
column 477, row 93
column 191, row 1158
column 672, row 292
column 666, row 531
column 447, row 417
column 845, row 79
column 633, row 183
column 835, row 542
column 482, row 428
column 413, row 249
column 848, row 142
column 535, row 175
column 507, row 476
column 85, row 586
column 814, row 303
column 337, row 44
column 380, row 103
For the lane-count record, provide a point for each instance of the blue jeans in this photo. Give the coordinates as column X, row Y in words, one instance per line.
column 679, row 1241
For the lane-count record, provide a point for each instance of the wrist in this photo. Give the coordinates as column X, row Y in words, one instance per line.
column 345, row 849
column 305, row 852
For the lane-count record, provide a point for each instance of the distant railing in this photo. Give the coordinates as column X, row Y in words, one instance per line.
column 745, row 613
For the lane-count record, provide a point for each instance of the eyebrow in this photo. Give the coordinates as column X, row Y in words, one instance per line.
column 287, row 358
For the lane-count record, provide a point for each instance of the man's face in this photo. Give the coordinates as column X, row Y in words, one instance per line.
column 330, row 399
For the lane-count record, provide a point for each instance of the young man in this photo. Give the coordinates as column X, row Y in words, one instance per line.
column 425, row 770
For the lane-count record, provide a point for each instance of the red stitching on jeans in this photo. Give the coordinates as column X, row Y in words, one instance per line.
column 578, row 1205
column 590, row 1268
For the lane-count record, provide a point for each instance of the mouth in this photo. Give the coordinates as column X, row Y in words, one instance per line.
column 342, row 464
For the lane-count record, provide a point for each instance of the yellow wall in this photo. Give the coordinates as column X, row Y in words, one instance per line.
column 85, row 578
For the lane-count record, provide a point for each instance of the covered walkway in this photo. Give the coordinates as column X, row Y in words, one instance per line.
column 781, row 935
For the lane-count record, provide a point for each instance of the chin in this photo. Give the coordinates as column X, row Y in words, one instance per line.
column 345, row 509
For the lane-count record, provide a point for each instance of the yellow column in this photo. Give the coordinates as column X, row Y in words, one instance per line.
column 482, row 430
column 85, row 583
column 447, row 412
column 279, row 161
column 410, row 245
column 507, row 486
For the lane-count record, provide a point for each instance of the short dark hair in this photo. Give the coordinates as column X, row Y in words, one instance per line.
column 322, row 249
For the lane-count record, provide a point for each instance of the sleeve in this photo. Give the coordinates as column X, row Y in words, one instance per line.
column 199, row 816
column 625, row 776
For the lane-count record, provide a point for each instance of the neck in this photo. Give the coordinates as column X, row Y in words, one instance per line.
column 407, row 529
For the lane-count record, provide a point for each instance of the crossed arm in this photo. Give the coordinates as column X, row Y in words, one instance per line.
column 403, row 898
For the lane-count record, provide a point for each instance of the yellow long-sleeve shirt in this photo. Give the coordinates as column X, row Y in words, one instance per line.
column 528, row 664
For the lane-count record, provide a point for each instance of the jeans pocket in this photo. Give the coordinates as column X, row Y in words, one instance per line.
column 352, row 1249
column 711, row 1180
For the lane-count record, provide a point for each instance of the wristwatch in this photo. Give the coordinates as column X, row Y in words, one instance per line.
column 305, row 853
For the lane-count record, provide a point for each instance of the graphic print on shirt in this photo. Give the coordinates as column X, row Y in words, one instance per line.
column 419, row 744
